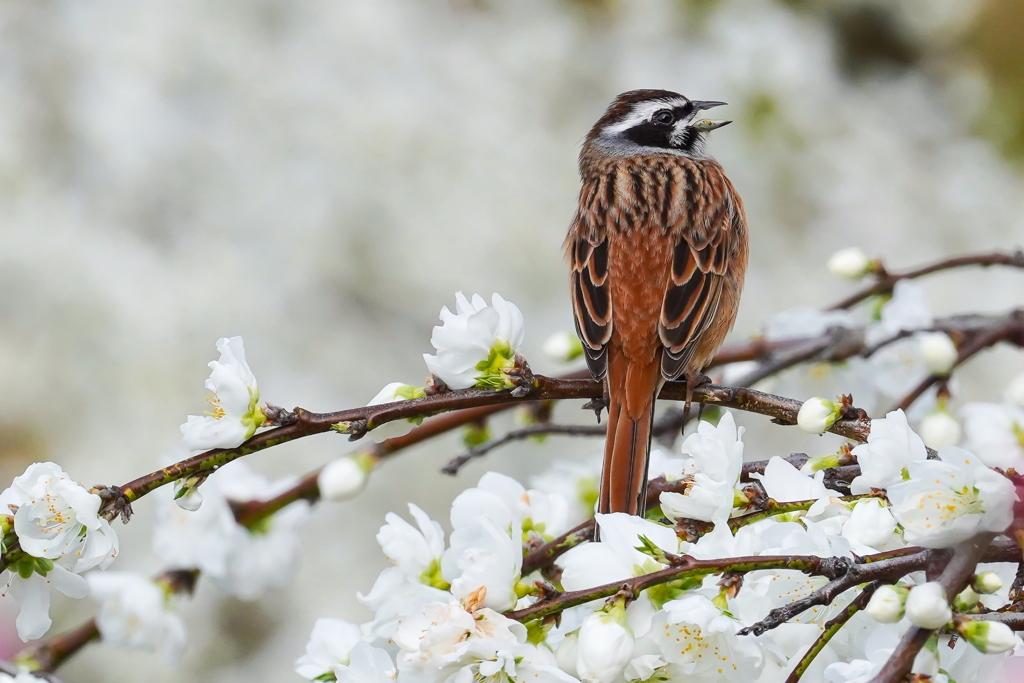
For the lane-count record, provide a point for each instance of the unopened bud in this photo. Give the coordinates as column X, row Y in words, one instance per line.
column 822, row 462
column 990, row 637
column 966, row 600
column 563, row 347
column 850, row 263
column 939, row 428
column 605, row 645
column 817, row 415
column 927, row 606
column 886, row 604
column 987, row 582
column 344, row 478
column 938, row 351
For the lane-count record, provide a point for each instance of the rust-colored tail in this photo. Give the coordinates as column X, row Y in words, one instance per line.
column 632, row 388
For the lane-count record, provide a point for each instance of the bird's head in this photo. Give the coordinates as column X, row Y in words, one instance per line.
column 654, row 121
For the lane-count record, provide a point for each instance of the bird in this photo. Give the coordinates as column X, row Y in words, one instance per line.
column 658, row 251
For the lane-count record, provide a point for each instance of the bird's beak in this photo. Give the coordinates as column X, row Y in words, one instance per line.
column 701, row 105
column 705, row 125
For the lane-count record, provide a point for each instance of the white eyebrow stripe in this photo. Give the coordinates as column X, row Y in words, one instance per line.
column 643, row 111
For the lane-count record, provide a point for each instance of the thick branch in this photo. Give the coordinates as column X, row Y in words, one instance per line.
column 953, row 579
column 783, row 410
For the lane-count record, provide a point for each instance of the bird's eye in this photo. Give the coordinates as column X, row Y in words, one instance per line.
column 664, row 117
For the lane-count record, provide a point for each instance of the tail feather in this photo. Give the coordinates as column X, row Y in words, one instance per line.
column 632, row 388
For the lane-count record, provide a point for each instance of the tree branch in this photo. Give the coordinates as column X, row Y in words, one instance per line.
column 953, row 579
column 831, row 628
column 783, row 410
column 886, row 281
column 1010, row 329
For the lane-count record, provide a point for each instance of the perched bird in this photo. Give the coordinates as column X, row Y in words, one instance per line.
column 658, row 249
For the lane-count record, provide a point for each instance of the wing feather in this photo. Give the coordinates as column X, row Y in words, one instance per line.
column 700, row 262
column 591, row 300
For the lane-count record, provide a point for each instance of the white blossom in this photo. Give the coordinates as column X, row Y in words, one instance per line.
column 442, row 639
column 644, row 667
column 996, row 433
column 615, row 557
column 948, row 500
column 574, row 481
column 605, row 645
column 59, row 528
column 851, row 263
column 330, row 645
column 482, row 565
column 870, row 526
column 908, row 309
column 535, row 513
column 367, row 664
column 396, row 391
column 476, row 343
column 887, row 604
column 817, row 415
column 927, row 606
column 892, row 445
column 57, row 518
column 1015, row 391
column 245, row 562
column 938, row 351
column 563, row 347
column 343, row 478
column 715, row 461
column 235, row 414
column 785, row 484
column 416, row 551
column 33, row 593
column 701, row 642
column 135, row 612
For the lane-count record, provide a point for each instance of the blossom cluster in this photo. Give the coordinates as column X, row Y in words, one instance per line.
column 446, row 611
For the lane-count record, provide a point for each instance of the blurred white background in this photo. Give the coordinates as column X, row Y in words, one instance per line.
column 320, row 177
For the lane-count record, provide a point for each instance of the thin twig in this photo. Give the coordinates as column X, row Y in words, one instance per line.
column 866, row 569
column 670, row 423
column 1011, row 329
column 685, row 567
column 47, row 655
column 831, row 628
column 887, row 281
column 455, row 464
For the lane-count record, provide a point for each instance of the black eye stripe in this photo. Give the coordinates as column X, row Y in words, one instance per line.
column 684, row 111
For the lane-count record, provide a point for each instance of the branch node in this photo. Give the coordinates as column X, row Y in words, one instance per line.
column 114, row 502
column 356, row 429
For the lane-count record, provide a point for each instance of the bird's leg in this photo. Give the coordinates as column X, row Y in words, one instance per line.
column 598, row 404
column 693, row 380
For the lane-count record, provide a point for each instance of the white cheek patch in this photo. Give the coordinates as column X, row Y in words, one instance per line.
column 642, row 112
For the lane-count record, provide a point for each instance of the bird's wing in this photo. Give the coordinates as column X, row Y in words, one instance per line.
column 694, row 288
column 591, row 298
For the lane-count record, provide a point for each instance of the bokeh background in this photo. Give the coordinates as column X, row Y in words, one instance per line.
column 321, row 176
